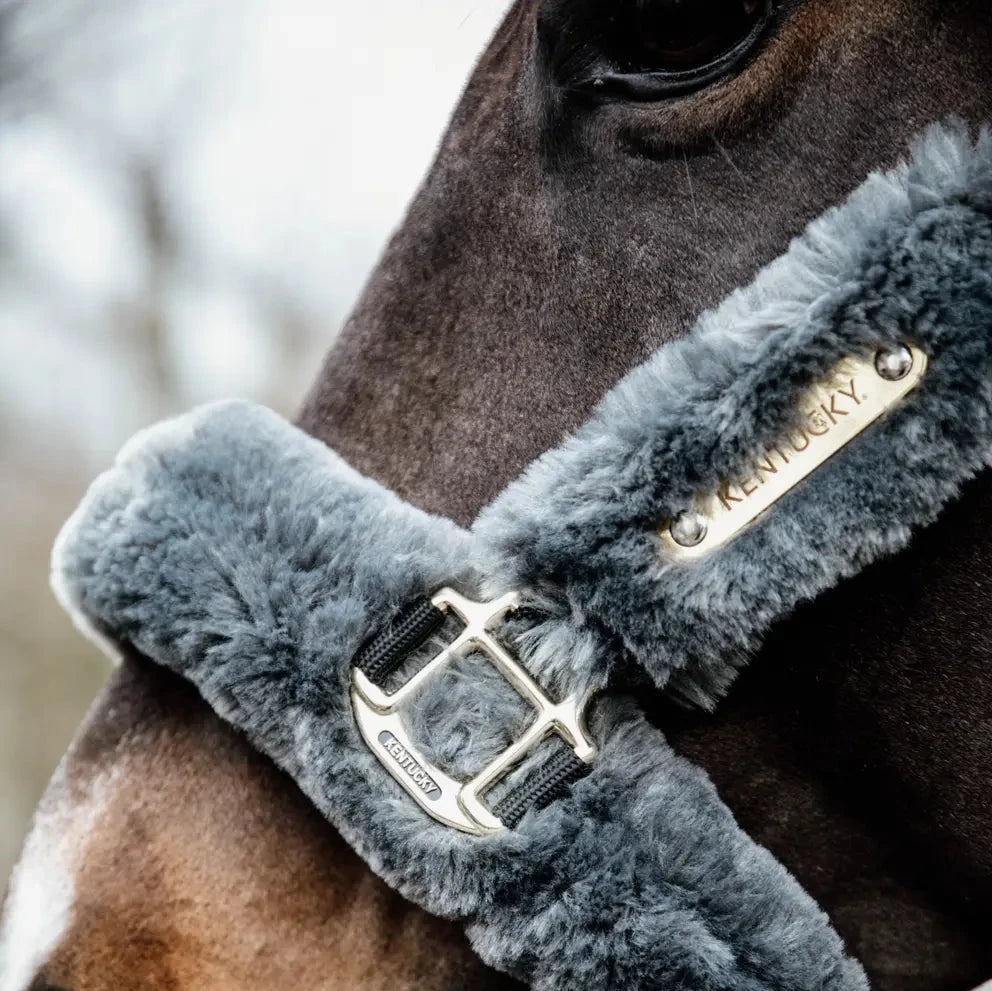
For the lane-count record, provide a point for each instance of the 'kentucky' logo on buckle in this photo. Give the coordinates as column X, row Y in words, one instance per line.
column 411, row 768
column 853, row 396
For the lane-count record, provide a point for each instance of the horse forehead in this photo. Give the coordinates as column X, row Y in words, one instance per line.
column 42, row 892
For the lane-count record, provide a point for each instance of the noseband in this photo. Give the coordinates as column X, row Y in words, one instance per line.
column 459, row 703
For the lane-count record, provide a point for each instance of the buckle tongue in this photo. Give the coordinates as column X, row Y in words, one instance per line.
column 459, row 803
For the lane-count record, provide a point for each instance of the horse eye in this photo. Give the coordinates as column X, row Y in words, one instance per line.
column 650, row 49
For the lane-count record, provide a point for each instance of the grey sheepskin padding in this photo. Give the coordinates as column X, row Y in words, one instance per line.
column 249, row 558
column 246, row 556
column 907, row 259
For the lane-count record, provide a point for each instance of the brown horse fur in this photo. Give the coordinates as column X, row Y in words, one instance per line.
column 550, row 249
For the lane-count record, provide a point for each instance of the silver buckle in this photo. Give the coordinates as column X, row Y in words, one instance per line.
column 459, row 803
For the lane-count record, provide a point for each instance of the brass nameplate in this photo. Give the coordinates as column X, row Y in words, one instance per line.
column 852, row 397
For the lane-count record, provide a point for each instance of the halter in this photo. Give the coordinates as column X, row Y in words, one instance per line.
column 459, row 703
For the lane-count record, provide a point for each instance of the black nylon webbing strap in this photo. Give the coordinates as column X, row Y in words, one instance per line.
column 548, row 783
column 386, row 651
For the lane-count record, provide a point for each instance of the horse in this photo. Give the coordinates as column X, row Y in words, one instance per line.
column 577, row 217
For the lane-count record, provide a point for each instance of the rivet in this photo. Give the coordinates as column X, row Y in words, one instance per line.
column 894, row 363
column 689, row 528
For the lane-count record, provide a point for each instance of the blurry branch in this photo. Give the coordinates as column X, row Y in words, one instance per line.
column 161, row 254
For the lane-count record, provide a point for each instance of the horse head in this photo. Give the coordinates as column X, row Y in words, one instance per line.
column 611, row 171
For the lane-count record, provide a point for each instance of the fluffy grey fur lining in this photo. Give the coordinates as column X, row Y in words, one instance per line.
column 907, row 258
column 235, row 550
column 249, row 558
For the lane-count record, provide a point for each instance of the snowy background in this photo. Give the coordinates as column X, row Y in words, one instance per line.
column 191, row 195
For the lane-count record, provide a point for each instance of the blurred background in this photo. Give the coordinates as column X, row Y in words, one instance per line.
column 191, row 196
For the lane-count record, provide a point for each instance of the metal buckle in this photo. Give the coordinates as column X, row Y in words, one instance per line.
column 457, row 803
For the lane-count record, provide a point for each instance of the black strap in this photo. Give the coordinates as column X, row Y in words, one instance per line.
column 386, row 651
column 548, row 783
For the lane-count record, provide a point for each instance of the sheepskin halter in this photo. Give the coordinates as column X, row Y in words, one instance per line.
column 458, row 703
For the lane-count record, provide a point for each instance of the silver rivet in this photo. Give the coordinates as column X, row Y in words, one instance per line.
column 689, row 528
column 894, row 363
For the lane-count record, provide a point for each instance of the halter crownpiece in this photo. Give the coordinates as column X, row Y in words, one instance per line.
column 454, row 701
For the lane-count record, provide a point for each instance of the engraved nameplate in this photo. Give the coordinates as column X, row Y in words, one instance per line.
column 852, row 397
